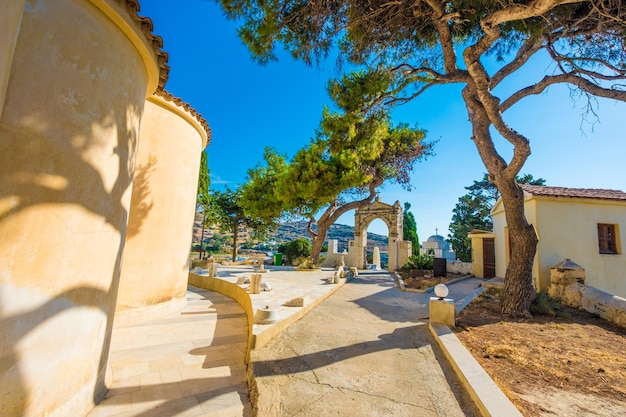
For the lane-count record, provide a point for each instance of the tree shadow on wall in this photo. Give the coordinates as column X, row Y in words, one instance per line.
column 14, row 395
column 140, row 203
column 39, row 168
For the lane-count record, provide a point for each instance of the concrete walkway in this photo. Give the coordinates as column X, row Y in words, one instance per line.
column 365, row 351
column 188, row 364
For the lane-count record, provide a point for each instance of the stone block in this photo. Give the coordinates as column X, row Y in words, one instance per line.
column 296, row 302
column 442, row 311
column 255, row 283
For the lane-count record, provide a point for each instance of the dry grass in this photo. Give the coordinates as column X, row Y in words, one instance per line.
column 534, row 361
column 420, row 279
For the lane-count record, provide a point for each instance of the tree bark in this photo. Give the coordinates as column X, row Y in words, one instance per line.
column 318, row 243
column 519, row 289
column 235, row 241
column 331, row 215
column 202, row 235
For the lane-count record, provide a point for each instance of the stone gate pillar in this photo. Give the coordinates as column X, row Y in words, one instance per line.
column 392, row 216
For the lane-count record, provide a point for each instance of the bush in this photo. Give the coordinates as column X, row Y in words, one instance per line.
column 421, row 261
column 295, row 249
column 545, row 305
column 304, row 263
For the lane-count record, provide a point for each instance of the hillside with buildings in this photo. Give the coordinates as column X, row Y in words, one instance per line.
column 292, row 230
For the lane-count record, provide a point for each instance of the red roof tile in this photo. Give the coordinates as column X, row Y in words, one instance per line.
column 593, row 193
column 179, row 102
column 146, row 26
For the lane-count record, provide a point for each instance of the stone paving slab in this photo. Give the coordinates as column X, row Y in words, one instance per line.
column 287, row 283
column 365, row 351
column 187, row 364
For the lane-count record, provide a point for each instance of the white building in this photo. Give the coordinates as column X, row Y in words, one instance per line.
column 436, row 245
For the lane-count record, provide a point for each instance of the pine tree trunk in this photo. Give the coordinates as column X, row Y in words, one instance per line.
column 318, row 243
column 202, row 235
column 519, row 290
column 235, row 243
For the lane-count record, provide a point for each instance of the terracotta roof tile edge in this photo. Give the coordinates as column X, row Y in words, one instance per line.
column 179, row 102
column 565, row 192
column 157, row 42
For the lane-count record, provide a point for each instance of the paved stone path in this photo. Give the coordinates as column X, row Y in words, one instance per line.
column 365, row 351
column 189, row 364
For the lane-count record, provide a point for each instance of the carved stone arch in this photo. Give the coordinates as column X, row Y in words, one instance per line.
column 392, row 216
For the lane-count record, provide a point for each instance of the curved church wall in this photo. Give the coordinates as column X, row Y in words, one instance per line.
column 74, row 75
column 155, row 262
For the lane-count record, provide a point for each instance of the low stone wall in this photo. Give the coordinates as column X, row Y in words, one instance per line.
column 567, row 282
column 607, row 306
column 333, row 259
column 201, row 263
column 230, row 290
column 455, row 267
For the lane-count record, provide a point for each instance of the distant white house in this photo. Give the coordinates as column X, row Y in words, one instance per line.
column 583, row 225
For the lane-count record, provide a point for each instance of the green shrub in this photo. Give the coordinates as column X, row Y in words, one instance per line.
column 300, row 247
column 304, row 263
column 421, row 261
column 490, row 293
column 545, row 305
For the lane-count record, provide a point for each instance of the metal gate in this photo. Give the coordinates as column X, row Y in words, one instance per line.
column 489, row 258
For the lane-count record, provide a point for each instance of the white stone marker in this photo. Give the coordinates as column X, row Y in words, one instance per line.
column 255, row 283
column 376, row 258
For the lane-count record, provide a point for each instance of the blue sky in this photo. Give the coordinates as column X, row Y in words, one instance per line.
column 249, row 107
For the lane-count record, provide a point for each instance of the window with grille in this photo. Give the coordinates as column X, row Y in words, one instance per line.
column 606, row 238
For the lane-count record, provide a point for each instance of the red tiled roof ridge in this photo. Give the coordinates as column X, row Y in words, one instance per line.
column 179, row 102
column 157, row 42
column 593, row 193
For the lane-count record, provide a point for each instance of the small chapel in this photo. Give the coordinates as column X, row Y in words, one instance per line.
column 438, row 246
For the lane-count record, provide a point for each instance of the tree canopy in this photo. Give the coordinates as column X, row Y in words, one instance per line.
column 203, row 198
column 351, row 155
column 408, row 47
column 230, row 215
column 409, row 229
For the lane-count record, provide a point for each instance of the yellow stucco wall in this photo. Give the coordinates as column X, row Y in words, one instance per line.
column 10, row 20
column 72, row 91
column 477, row 252
column 499, row 225
column 154, row 267
column 567, row 228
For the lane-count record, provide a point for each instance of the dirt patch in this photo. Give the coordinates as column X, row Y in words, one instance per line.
column 549, row 366
column 420, row 279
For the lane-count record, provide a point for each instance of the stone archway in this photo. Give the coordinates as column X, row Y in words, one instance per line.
column 399, row 249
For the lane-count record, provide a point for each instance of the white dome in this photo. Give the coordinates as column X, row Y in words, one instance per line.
column 441, row 242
